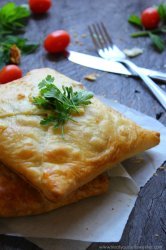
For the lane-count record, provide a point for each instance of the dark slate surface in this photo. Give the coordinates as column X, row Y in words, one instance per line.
column 147, row 223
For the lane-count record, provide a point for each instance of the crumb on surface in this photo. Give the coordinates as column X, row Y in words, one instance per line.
column 133, row 52
column 77, row 41
column 84, row 35
column 156, row 235
column 75, row 34
column 91, row 77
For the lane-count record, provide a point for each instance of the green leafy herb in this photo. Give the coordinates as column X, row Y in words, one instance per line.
column 162, row 11
column 60, row 104
column 21, row 43
column 12, row 21
column 13, row 18
column 157, row 41
column 136, row 20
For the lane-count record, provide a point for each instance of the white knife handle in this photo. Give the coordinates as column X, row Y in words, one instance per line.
column 155, row 89
column 156, row 75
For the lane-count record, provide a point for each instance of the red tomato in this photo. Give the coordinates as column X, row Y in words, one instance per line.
column 57, row 41
column 150, row 18
column 40, row 6
column 10, row 73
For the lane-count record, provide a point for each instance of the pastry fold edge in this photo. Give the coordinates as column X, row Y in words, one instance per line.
column 18, row 198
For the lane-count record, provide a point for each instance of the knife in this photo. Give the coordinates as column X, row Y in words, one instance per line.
column 95, row 62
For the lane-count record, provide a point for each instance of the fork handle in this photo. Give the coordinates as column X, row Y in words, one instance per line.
column 155, row 89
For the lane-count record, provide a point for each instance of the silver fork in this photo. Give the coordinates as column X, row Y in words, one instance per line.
column 108, row 50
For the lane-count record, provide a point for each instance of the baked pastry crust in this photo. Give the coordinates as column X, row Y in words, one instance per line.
column 18, row 198
column 100, row 138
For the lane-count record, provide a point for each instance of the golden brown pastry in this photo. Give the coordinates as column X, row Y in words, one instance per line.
column 18, row 198
column 100, row 138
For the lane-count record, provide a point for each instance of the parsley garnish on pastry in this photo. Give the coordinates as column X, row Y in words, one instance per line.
column 99, row 138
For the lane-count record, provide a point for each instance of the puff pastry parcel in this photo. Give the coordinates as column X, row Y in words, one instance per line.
column 18, row 198
column 100, row 138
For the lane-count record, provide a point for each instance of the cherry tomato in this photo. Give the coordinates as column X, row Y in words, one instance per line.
column 40, row 6
column 150, row 18
column 10, row 73
column 57, row 41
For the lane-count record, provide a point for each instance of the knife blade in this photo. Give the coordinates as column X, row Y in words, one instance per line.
column 110, row 66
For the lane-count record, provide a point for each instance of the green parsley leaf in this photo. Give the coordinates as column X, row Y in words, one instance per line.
column 39, row 101
column 162, row 11
column 47, row 121
column 12, row 21
column 60, row 104
column 13, row 18
column 20, row 42
column 157, row 41
column 7, row 42
column 4, row 57
column 136, row 20
column 48, row 80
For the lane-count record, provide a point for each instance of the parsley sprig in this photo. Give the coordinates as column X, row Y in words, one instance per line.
column 156, row 34
column 60, row 104
column 6, row 44
column 13, row 20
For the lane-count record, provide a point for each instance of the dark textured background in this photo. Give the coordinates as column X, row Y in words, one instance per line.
column 147, row 223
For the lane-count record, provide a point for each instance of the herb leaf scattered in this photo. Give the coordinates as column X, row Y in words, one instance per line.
column 13, row 19
column 157, row 41
column 20, row 42
column 61, row 104
column 162, row 11
column 136, row 20
column 6, row 44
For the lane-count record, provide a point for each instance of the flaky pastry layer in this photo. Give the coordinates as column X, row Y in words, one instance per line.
column 100, row 138
column 18, row 198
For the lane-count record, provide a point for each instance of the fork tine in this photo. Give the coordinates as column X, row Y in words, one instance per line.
column 105, row 41
column 106, row 34
column 98, row 35
column 94, row 37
